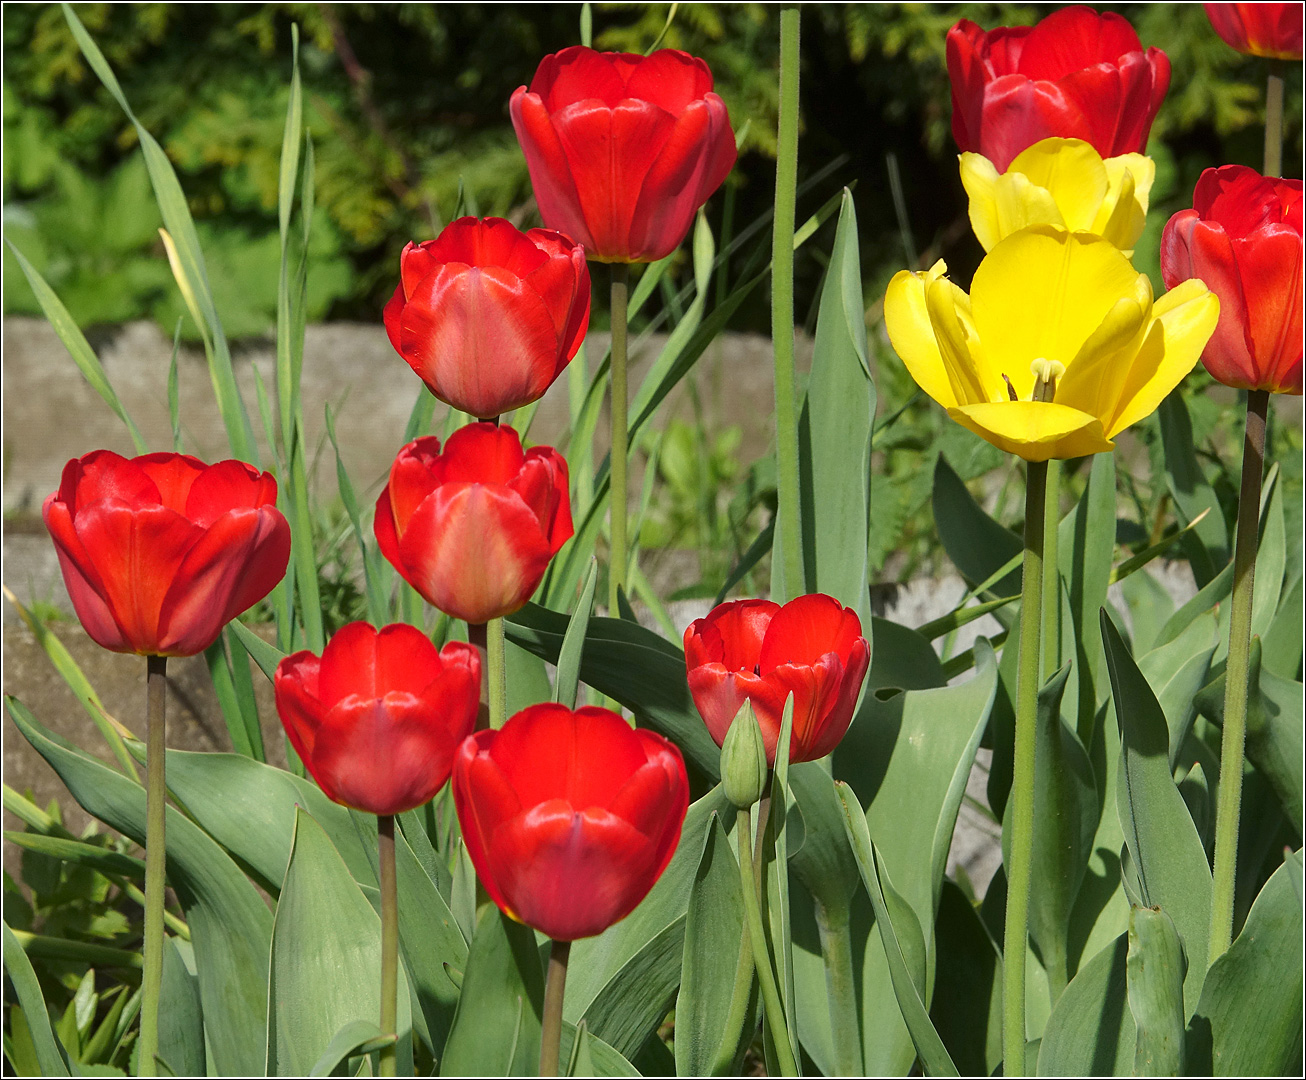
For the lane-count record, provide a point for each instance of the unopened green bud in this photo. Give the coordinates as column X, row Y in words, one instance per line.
column 743, row 759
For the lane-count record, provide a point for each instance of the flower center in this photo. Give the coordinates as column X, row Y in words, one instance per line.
column 1046, row 373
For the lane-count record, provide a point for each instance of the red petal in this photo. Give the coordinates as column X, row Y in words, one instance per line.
column 227, row 486
column 731, row 634
column 555, row 188
column 1270, row 268
column 670, row 79
column 390, row 317
column 543, row 486
column 484, row 802
column 1074, row 38
column 413, row 476
column 1226, row 355
column 295, row 685
column 807, row 628
column 481, row 454
column 103, row 476
column 718, row 695
column 416, row 263
column 578, row 74
column 173, row 475
column 82, row 580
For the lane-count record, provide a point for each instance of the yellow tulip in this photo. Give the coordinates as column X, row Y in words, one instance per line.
column 1062, row 182
column 1058, row 347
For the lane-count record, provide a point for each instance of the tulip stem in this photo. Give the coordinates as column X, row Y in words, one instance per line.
column 841, row 989
column 1274, row 119
column 782, row 312
column 775, row 1014
column 156, row 699
column 1051, row 643
column 554, row 985
column 617, row 457
column 496, row 676
column 1229, row 800
column 385, row 841
column 1022, row 783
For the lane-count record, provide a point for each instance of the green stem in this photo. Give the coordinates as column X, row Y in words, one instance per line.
column 782, row 311
column 1274, row 120
column 1229, row 800
column 554, row 985
column 155, row 847
column 1051, row 644
column 620, row 436
column 775, row 1014
column 385, row 838
column 1022, row 782
column 496, row 673
column 841, row 989
column 724, row 1061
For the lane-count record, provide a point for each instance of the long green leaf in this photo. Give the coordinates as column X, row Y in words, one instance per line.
column 49, row 1054
column 1154, row 972
column 573, row 642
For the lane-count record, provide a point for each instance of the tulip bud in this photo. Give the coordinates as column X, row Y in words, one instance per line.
column 743, row 759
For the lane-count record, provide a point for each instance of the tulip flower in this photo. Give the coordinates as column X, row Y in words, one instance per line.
column 489, row 316
column 160, row 552
column 1076, row 75
column 569, row 817
column 1269, row 30
column 758, row 651
column 1058, row 347
column 1062, row 182
column 1243, row 238
column 378, row 716
column 473, row 528
column 623, row 149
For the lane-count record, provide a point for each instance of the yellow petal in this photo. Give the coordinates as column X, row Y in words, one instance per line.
column 1123, row 213
column 944, row 301
column 1072, row 173
column 1034, row 430
column 1040, row 294
column 1095, row 378
column 907, row 320
column 1001, row 205
column 1183, row 321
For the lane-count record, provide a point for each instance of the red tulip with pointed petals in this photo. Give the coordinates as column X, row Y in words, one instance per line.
column 1270, row 30
column 160, row 552
column 378, row 716
column 1243, row 238
column 758, row 651
column 488, row 315
column 473, row 528
column 569, row 817
column 1076, row 75
column 623, row 149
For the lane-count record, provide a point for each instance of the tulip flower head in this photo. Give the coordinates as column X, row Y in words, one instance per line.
column 1062, row 182
column 758, row 651
column 1058, row 347
column 569, row 817
column 1243, row 238
column 473, row 527
column 623, row 149
column 1270, row 30
column 1076, row 75
column 489, row 316
column 160, row 552
column 378, row 717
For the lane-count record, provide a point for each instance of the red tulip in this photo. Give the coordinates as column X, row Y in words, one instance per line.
column 160, row 552
column 489, row 316
column 758, row 651
column 1076, row 75
column 623, row 149
column 1243, row 238
column 473, row 528
column 378, row 717
column 569, row 817
column 1273, row 30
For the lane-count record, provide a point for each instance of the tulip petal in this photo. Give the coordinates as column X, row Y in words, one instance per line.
column 1072, row 172
column 718, row 695
column 85, row 588
column 672, row 80
column 174, row 475
column 296, row 687
column 543, row 486
column 480, row 454
column 219, row 488
column 1034, row 430
column 1183, row 321
column 1094, row 379
column 103, row 476
column 805, row 630
column 551, row 179
column 1270, row 270
column 907, row 320
column 731, row 634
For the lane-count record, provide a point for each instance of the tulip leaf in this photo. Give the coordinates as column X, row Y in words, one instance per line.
column 573, row 642
column 1283, row 640
column 634, row 1001
column 266, row 656
column 976, row 544
column 50, row 1055
column 1154, row 977
column 1163, row 841
column 1271, row 554
column 776, row 876
column 496, row 1030
column 181, row 1015
column 900, row 932
column 590, row 1056
column 834, row 433
column 1248, row 1021
column 640, row 669
column 355, row 1038
column 901, row 659
column 1208, row 545
column 967, row 1006
column 229, row 922
column 378, row 598
column 1091, row 1031
column 709, row 1028
column 326, row 958
column 80, row 854
column 235, row 693
column 1179, row 669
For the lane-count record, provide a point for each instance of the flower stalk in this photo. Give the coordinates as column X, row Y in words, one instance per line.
column 1022, row 785
column 555, row 984
column 1274, row 120
column 620, row 436
column 1229, row 800
column 496, row 673
column 155, row 867
column 385, row 838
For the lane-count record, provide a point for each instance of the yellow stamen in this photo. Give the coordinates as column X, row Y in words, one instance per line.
column 1046, row 373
